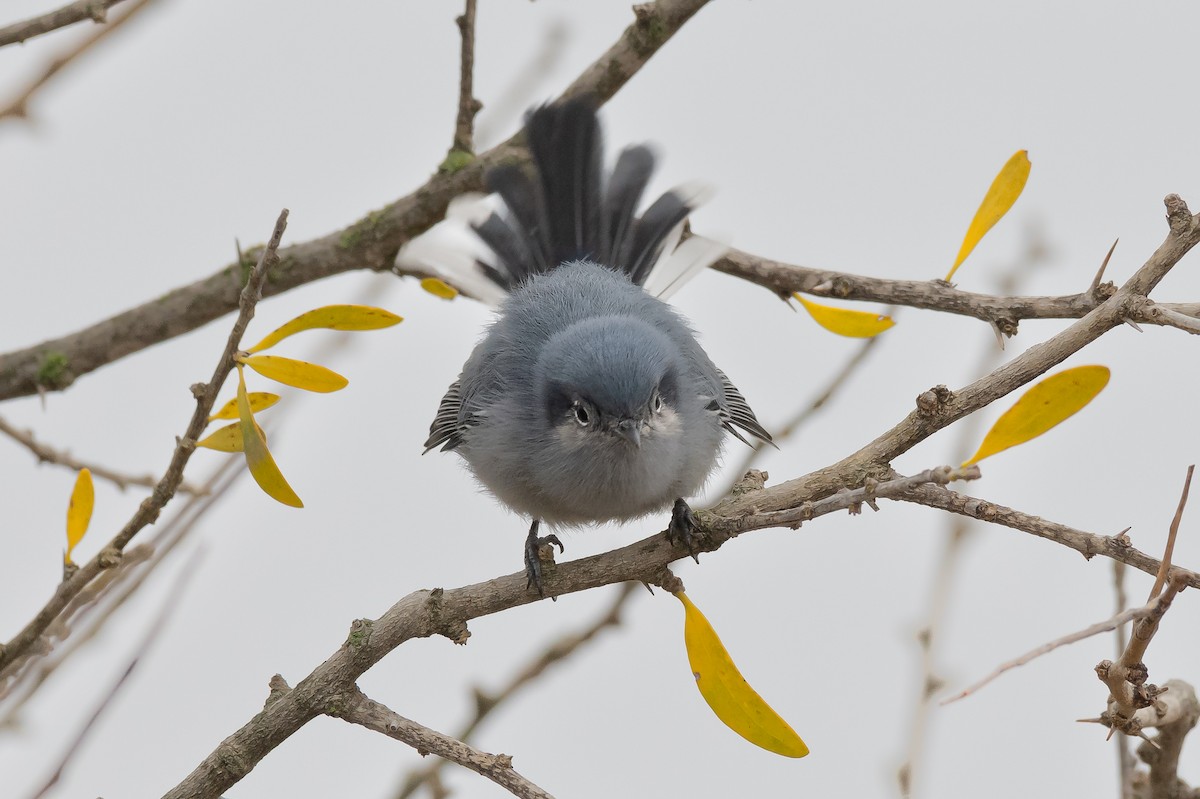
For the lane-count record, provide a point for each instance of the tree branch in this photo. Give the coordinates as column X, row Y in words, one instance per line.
column 468, row 105
column 95, row 10
column 1087, row 544
column 485, row 703
column 18, row 107
column 355, row 707
column 370, row 243
column 47, row 454
column 939, row 407
column 444, row 612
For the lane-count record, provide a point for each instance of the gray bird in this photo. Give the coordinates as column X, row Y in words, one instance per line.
column 588, row 399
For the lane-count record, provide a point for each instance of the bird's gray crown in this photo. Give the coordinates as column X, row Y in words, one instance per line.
column 616, row 363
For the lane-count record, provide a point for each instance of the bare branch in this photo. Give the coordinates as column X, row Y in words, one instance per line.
column 18, row 107
column 1164, row 571
column 370, row 243
column 485, row 703
column 95, row 10
column 1087, row 544
column 358, row 709
column 1099, row 627
column 47, row 454
column 1179, row 704
column 151, row 635
column 468, row 105
column 149, row 509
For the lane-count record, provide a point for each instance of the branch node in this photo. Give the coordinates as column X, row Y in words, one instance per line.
column 360, row 634
column 109, row 557
column 1178, row 216
column 933, row 401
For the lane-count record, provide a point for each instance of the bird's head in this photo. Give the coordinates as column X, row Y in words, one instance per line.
column 611, row 381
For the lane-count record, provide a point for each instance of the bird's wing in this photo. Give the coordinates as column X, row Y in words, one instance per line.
column 447, row 429
column 735, row 412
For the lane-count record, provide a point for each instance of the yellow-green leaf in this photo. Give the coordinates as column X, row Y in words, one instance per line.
column 439, row 288
column 1052, row 400
column 728, row 693
column 259, row 401
column 846, row 322
column 225, row 439
column 299, row 374
column 331, row 317
column 1004, row 191
column 262, row 466
column 79, row 511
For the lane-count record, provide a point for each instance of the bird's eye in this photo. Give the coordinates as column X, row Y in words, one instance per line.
column 581, row 414
column 657, row 402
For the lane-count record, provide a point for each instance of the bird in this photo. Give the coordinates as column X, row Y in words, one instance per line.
column 588, row 398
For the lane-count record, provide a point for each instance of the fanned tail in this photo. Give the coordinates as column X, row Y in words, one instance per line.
column 565, row 210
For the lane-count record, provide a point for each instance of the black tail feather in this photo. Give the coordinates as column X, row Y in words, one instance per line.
column 650, row 233
column 565, row 213
column 629, row 178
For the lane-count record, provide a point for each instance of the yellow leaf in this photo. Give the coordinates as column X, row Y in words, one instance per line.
column 299, row 374
column 439, row 289
column 79, row 511
column 259, row 401
column 728, row 693
column 226, row 439
column 258, row 457
column 1052, row 400
column 331, row 317
column 846, row 322
column 1004, row 191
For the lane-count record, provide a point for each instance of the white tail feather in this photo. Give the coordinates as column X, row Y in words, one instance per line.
column 679, row 265
column 452, row 250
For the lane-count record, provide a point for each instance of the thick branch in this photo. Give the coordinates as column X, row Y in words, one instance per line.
column 95, row 10
column 1180, row 705
column 370, row 243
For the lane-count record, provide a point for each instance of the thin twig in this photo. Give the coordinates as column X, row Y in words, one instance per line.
column 1087, row 544
column 151, row 507
column 1126, row 765
column 357, row 708
column 47, row 454
column 18, row 107
column 78, row 11
column 169, row 605
column 1095, row 284
column 485, row 703
column 1087, row 632
column 1161, row 578
column 468, row 106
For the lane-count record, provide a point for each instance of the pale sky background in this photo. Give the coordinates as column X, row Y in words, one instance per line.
column 852, row 136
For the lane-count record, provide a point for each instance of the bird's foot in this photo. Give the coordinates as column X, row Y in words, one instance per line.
column 683, row 528
column 533, row 559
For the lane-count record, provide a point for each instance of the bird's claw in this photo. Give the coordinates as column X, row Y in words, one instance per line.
column 533, row 560
column 683, row 528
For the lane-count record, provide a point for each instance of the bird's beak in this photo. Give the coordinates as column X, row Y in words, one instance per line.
column 628, row 429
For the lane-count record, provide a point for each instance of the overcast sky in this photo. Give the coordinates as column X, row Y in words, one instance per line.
column 851, row 136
